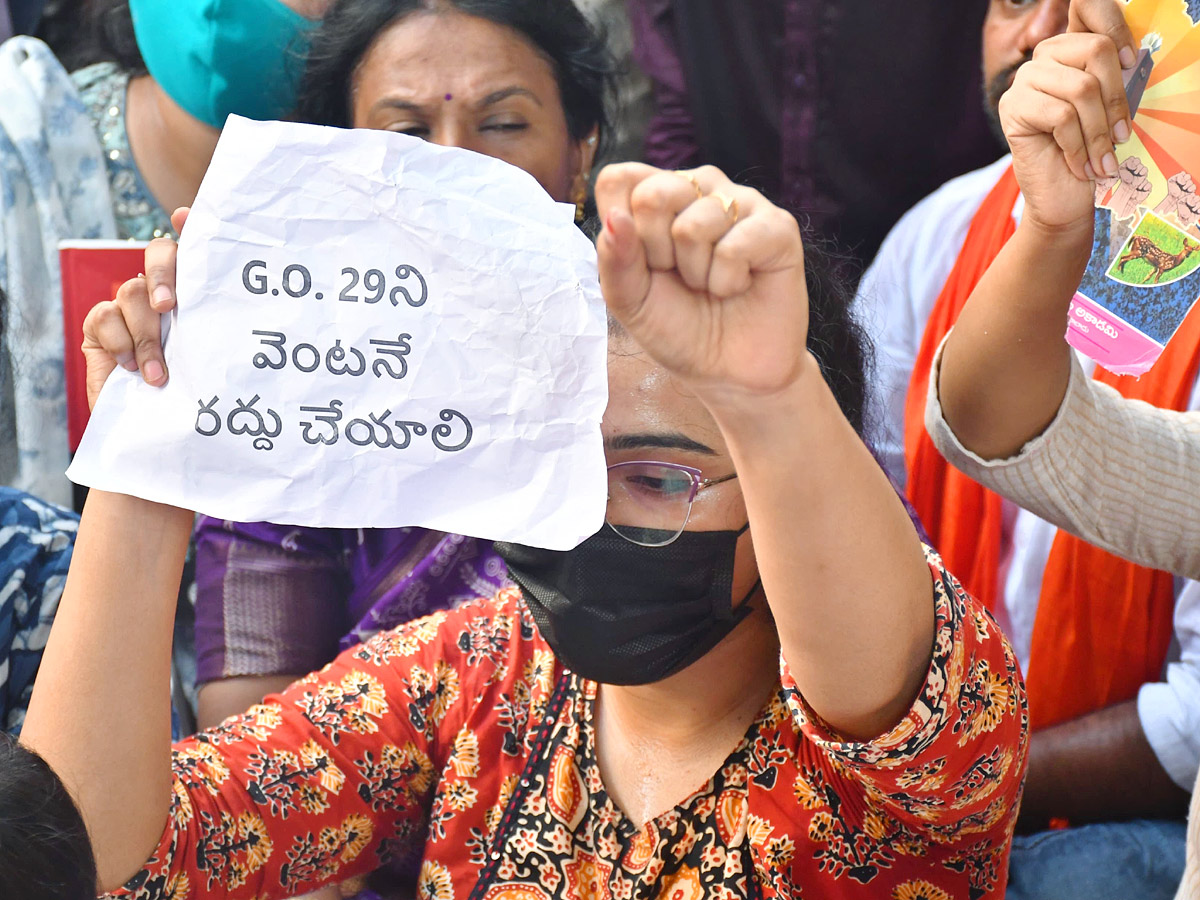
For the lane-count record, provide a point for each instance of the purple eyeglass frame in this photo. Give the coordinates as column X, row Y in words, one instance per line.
column 698, row 484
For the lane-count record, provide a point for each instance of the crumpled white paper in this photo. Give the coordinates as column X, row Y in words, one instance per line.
column 389, row 255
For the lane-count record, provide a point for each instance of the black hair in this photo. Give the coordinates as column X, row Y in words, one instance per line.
column 57, row 23
column 109, row 37
column 578, row 52
column 45, row 853
column 836, row 339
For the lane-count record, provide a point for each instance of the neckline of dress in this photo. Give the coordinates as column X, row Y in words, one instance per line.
column 586, row 694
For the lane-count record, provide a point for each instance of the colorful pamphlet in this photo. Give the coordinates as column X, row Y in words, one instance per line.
column 1142, row 279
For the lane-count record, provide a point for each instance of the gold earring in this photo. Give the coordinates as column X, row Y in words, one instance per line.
column 579, row 196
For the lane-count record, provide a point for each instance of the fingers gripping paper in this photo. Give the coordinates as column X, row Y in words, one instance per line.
column 371, row 332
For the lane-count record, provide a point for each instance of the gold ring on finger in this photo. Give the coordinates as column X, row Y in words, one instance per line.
column 729, row 206
column 690, row 177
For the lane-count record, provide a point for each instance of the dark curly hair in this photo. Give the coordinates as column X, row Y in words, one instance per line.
column 578, row 52
column 835, row 337
column 44, row 847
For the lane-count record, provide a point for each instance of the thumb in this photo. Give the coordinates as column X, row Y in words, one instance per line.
column 624, row 272
column 179, row 217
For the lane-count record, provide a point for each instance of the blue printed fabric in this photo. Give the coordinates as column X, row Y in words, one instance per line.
column 139, row 217
column 36, row 540
column 53, row 185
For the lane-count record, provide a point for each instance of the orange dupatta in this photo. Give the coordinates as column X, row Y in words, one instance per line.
column 1103, row 625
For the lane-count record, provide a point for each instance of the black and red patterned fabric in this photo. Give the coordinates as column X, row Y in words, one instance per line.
column 413, row 746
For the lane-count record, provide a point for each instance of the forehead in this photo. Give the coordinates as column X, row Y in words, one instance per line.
column 448, row 52
column 643, row 398
column 1000, row 11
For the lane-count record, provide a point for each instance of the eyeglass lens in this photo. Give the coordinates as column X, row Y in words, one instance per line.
column 649, row 503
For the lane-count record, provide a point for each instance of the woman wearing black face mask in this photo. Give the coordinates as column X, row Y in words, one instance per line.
column 665, row 752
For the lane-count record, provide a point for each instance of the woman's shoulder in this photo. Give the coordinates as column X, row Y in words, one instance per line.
column 494, row 635
column 483, row 661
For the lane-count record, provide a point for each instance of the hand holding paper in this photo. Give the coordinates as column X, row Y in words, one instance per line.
column 1140, row 282
column 1005, row 366
column 126, row 331
column 1063, row 114
column 370, row 332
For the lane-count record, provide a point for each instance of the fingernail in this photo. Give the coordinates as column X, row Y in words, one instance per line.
column 153, row 371
column 1089, row 171
column 162, row 294
column 1121, row 131
column 1127, row 57
column 126, row 361
column 1109, row 164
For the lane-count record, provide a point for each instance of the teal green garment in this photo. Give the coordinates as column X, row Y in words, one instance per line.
column 221, row 57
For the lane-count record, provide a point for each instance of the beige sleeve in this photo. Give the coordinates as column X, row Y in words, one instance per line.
column 1118, row 473
column 1189, row 888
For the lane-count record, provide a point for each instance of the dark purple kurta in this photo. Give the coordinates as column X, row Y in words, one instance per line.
column 844, row 111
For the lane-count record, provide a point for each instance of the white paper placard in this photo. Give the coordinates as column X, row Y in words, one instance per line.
column 372, row 332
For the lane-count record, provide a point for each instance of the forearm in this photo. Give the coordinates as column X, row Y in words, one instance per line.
column 1097, row 768
column 840, row 561
column 100, row 713
column 217, row 700
column 1117, row 473
column 1006, row 365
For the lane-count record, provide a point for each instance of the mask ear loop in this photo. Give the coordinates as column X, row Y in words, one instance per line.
column 743, row 609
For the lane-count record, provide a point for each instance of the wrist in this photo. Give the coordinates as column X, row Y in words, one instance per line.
column 758, row 411
column 1049, row 264
column 1072, row 238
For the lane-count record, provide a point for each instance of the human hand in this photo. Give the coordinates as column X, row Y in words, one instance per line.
column 1103, row 186
column 1064, row 112
column 126, row 331
column 707, row 276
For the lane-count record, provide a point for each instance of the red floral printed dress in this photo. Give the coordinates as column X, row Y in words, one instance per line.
column 459, row 743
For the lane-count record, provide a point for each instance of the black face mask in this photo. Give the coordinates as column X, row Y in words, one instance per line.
column 619, row 613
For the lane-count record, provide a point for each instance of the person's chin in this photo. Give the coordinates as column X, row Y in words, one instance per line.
column 992, row 92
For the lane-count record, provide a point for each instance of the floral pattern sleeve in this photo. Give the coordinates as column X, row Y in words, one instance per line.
column 949, row 775
column 328, row 779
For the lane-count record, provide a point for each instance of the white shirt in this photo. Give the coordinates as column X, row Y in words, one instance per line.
column 894, row 302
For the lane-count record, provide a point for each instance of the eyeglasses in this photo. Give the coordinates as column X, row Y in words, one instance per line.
column 649, row 503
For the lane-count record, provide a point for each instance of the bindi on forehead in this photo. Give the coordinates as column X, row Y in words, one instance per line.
column 449, row 97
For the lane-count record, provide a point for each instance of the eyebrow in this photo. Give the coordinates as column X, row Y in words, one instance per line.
column 505, row 93
column 658, row 441
column 396, row 103
column 490, row 100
